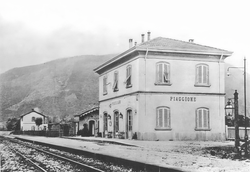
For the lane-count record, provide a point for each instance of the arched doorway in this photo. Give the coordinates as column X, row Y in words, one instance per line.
column 129, row 124
column 105, row 123
column 91, row 127
column 116, row 122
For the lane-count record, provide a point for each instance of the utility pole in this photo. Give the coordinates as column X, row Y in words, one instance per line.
column 236, row 121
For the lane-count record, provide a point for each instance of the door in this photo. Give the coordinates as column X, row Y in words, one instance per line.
column 129, row 126
column 92, row 128
column 116, row 123
column 105, row 124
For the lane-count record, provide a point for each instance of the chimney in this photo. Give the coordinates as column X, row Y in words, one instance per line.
column 148, row 35
column 190, row 40
column 142, row 38
column 130, row 43
column 135, row 43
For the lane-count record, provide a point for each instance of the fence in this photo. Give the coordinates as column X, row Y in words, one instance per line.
column 230, row 132
column 39, row 133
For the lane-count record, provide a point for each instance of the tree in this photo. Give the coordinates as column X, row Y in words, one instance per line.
column 39, row 122
column 13, row 124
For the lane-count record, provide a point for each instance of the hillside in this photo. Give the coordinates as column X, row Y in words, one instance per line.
column 62, row 87
column 67, row 86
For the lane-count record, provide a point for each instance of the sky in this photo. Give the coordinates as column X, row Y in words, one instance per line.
column 37, row 31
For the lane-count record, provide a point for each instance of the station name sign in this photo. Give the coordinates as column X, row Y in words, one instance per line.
column 182, row 99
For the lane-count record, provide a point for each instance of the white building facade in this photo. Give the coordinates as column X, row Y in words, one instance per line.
column 27, row 121
column 164, row 89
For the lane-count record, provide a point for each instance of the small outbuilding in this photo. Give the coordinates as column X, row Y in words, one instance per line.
column 88, row 122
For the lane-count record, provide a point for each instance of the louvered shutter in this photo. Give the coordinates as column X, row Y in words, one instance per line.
column 199, row 74
column 160, row 117
column 157, row 118
column 160, row 73
column 200, row 118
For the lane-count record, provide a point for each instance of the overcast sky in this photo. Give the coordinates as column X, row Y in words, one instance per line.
column 37, row 31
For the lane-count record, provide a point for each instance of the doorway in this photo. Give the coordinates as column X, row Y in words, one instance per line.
column 92, row 128
column 129, row 125
column 116, row 123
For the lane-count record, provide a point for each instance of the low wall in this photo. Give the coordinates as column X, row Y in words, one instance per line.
column 230, row 132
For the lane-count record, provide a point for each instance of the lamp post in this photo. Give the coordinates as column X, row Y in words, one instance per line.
column 245, row 109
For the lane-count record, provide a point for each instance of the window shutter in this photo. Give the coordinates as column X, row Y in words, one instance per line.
column 204, row 75
column 207, row 73
column 157, row 118
column 200, row 118
column 199, row 74
column 166, row 73
column 205, row 115
column 166, row 118
column 160, row 73
column 160, row 117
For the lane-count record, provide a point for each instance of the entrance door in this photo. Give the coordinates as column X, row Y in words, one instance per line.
column 92, row 128
column 105, row 124
column 116, row 122
column 129, row 126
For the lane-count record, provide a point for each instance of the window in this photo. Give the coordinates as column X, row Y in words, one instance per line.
column 33, row 119
column 202, row 75
column 162, row 73
column 162, row 118
column 32, row 128
column 202, row 119
column 115, row 85
column 130, row 119
column 105, row 91
column 128, row 76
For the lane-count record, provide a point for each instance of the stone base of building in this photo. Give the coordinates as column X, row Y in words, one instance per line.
column 200, row 136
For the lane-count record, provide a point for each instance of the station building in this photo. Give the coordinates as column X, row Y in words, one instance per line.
column 164, row 89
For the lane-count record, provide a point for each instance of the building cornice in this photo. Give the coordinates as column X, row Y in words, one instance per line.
column 162, row 93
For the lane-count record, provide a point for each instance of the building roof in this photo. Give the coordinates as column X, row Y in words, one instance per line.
column 88, row 111
column 161, row 44
column 32, row 111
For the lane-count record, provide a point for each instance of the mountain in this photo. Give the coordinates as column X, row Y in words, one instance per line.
column 68, row 86
column 60, row 88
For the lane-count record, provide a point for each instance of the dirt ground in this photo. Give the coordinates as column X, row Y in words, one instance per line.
column 194, row 156
column 184, row 155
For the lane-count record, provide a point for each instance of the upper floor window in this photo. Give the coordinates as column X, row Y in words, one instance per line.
column 202, row 119
column 128, row 76
column 33, row 119
column 202, row 75
column 163, row 73
column 105, row 91
column 115, row 85
column 163, row 118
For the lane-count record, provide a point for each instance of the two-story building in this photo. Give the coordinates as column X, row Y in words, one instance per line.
column 164, row 89
column 28, row 121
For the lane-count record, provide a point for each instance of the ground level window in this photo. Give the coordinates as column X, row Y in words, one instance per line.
column 202, row 119
column 163, row 118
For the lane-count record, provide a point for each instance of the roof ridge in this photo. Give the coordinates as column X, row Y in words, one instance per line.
column 194, row 43
column 142, row 43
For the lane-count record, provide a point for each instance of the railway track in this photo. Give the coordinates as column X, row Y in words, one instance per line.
column 93, row 165
column 42, row 166
column 29, row 161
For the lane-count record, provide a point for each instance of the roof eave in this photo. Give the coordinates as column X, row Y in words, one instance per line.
column 225, row 53
column 131, row 50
